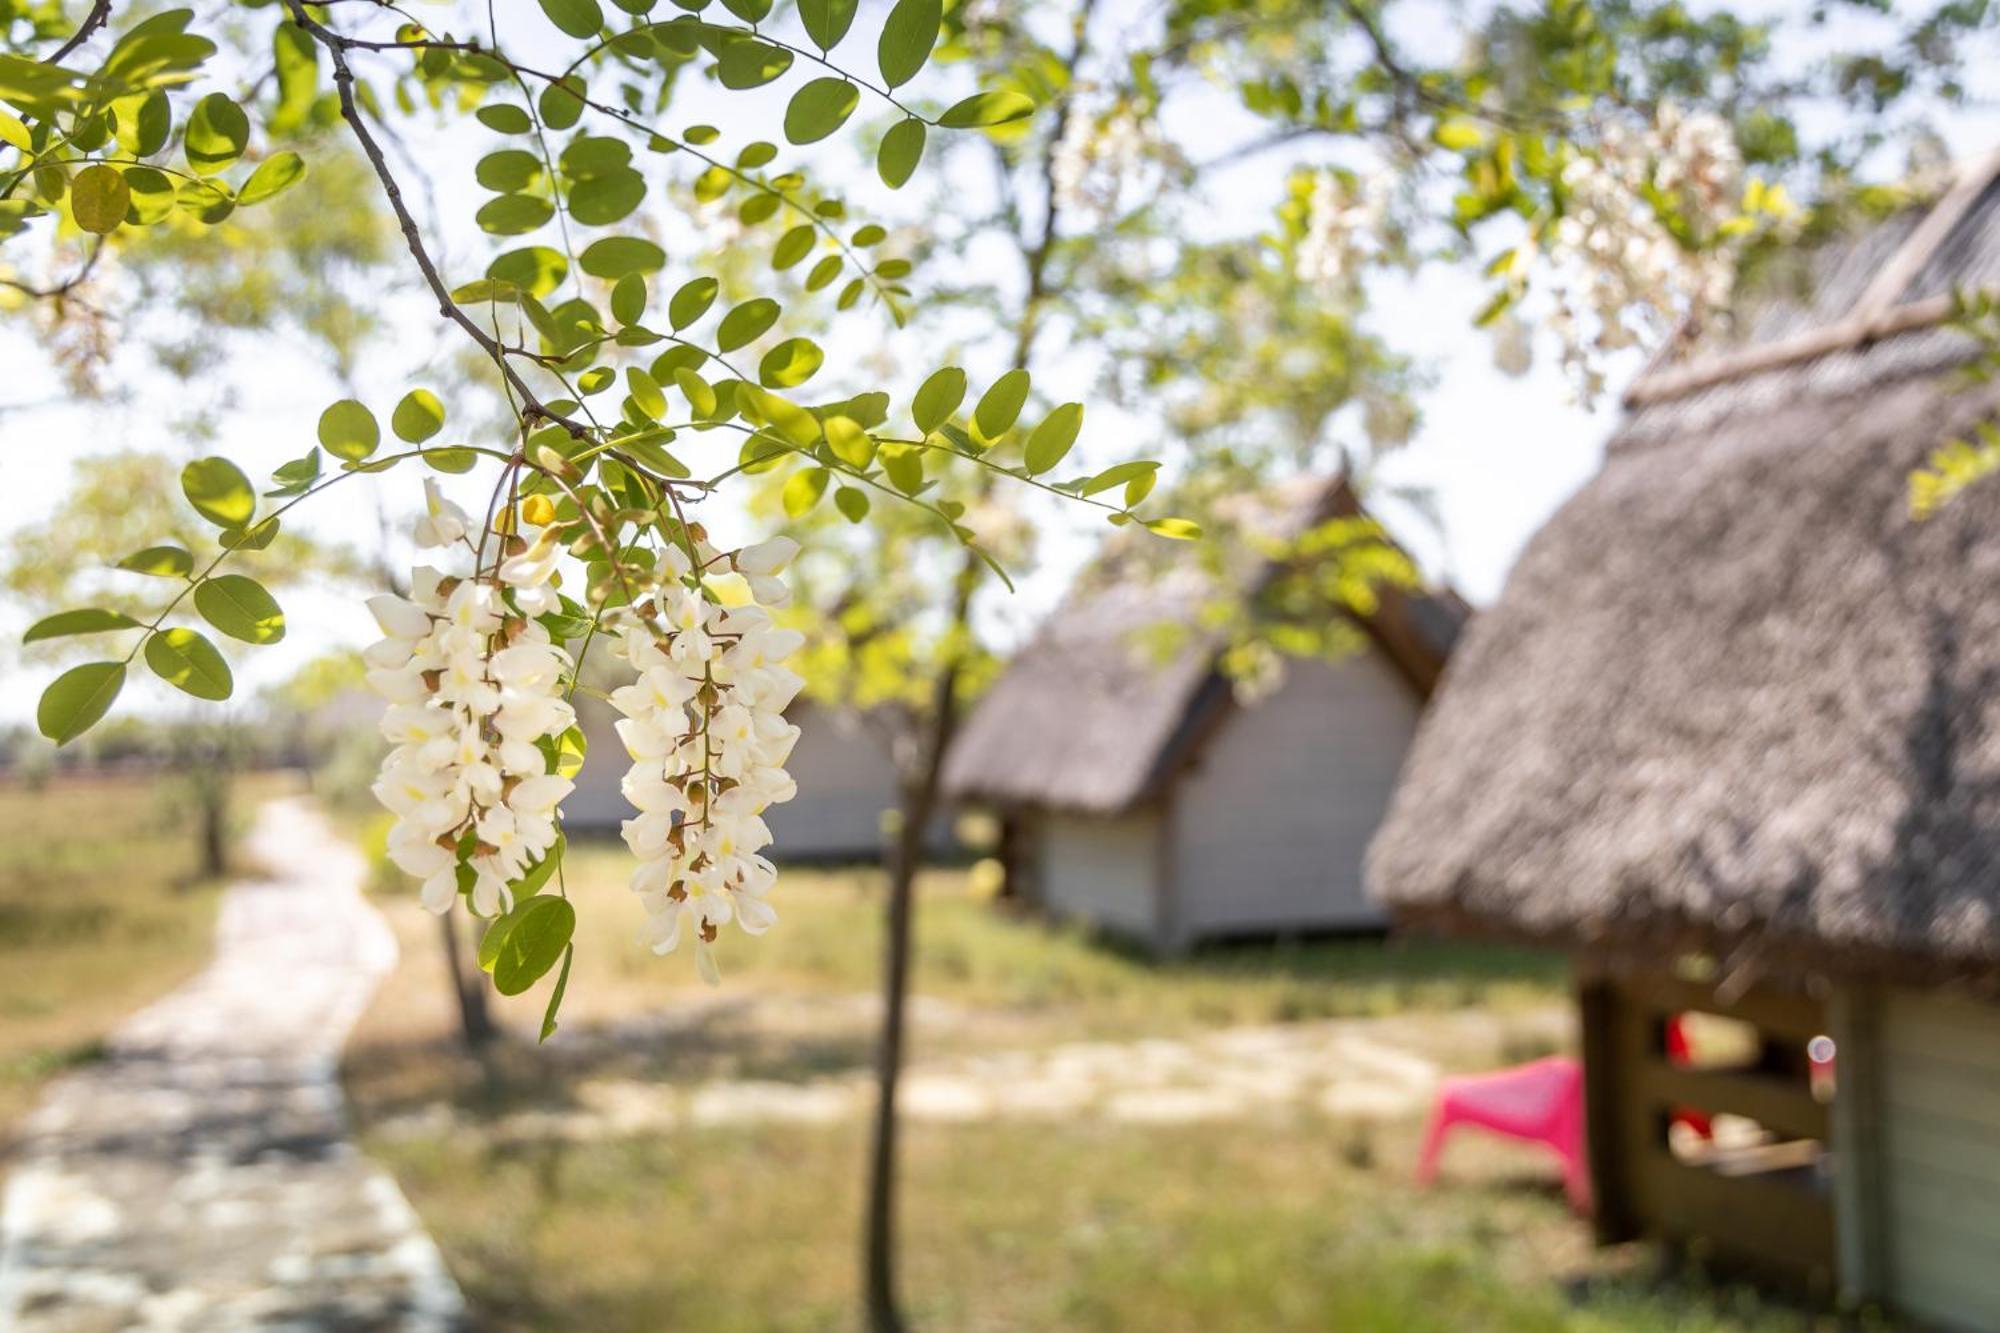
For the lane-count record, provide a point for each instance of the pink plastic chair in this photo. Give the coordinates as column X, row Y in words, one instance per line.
column 1540, row 1102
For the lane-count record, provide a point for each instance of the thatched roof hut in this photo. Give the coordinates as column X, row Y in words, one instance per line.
column 1737, row 709
column 1096, row 731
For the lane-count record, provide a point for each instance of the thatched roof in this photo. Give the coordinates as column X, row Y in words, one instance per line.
column 1091, row 718
column 1733, row 696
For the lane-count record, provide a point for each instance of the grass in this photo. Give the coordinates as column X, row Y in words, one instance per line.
column 100, row 911
column 1284, row 1220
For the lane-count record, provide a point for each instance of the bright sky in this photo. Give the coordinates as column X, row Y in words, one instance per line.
column 1496, row 454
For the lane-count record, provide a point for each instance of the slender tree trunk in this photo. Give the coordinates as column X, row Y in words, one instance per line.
column 475, row 1026
column 906, row 858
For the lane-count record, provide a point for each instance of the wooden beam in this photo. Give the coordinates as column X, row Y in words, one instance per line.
column 1782, row 1107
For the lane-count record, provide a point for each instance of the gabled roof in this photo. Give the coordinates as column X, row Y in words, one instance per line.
column 1088, row 718
column 1734, row 696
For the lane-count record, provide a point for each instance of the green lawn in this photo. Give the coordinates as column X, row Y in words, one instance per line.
column 1284, row 1220
column 99, row 912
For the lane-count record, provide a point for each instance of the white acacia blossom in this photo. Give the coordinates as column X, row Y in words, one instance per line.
column 704, row 724
column 1346, row 218
column 1618, row 272
column 473, row 684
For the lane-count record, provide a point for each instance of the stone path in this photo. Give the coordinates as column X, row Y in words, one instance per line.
column 1345, row 1069
column 201, row 1176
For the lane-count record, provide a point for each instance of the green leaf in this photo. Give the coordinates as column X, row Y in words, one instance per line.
column 1118, row 475
column 628, row 299
column 556, row 996
column 905, row 466
column 982, row 110
column 1458, row 135
column 14, row 132
column 505, row 118
column 902, row 148
column 451, row 459
column 152, row 125
column 189, row 662
column 938, row 398
column 532, row 939
column 273, row 176
column 1179, row 529
column 825, row 271
column 1050, row 442
column 746, row 323
column 852, row 504
column 297, row 476
column 1001, row 405
column 827, row 21
column 240, row 608
column 614, row 257
column 167, row 562
column 850, row 444
column 98, row 198
column 576, row 18
column 219, row 491
column 700, row 396
column 418, row 417
column 561, row 104
column 251, row 539
column 75, row 701
column 513, row 214
column 536, row 269
column 791, row 363
column 508, row 171
column 347, row 430
column 908, row 35
column 217, row 132
column 603, row 200
column 645, row 391
column 819, row 108
column 691, row 302
column 749, row 63
column 90, row 620
column 803, row 490
column 793, row 246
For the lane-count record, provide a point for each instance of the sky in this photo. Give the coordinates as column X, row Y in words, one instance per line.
column 1496, row 454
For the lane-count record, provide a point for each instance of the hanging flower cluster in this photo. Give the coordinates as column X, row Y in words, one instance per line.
column 1620, row 271
column 1105, row 157
column 476, row 693
column 704, row 724
column 1346, row 220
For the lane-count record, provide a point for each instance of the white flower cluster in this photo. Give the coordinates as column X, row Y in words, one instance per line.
column 1619, row 273
column 473, row 683
column 1101, row 157
column 704, row 724
column 1345, row 221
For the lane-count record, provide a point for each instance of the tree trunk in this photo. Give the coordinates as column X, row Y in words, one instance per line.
column 475, row 1027
column 906, row 857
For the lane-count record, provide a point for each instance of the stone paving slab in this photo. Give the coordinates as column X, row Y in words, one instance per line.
column 201, row 1176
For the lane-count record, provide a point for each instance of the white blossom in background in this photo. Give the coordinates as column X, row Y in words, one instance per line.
column 472, row 685
column 1346, row 219
column 1104, row 156
column 704, row 725
column 1618, row 275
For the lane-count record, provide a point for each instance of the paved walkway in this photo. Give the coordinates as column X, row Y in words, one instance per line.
column 201, row 1177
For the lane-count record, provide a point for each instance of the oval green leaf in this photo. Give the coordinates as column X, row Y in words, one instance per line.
column 240, row 608
column 908, row 35
column 75, row 701
column 273, row 176
column 691, row 302
column 217, row 132
column 603, row 200
column 614, row 257
column 827, row 21
column 418, row 417
column 348, row 431
column 902, row 148
column 1000, row 406
column 576, row 18
column 982, row 110
column 746, row 323
column 1051, row 441
column 167, row 562
column 189, row 662
column 88, row 620
column 937, row 398
column 819, row 108
column 219, row 492
column 532, row 939
column 792, row 362
column 98, row 198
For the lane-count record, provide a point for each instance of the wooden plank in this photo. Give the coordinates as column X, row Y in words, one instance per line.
column 1939, row 1090
column 1782, row 1106
column 1775, row 1226
column 1926, row 1195
column 1598, row 1006
column 1859, row 1208
column 1791, row 1016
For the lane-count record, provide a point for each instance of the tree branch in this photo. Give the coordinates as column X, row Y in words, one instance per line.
column 99, row 15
